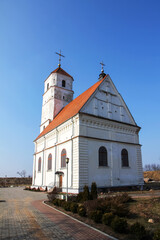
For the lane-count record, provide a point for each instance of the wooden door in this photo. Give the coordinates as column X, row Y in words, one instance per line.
column 60, row 181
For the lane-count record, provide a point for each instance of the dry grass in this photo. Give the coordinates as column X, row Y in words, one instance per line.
column 144, row 209
column 154, row 175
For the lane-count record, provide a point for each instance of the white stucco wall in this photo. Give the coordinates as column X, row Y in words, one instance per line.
column 63, row 137
column 96, row 132
column 55, row 97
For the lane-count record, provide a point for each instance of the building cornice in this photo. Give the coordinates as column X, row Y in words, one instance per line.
column 110, row 120
column 88, row 137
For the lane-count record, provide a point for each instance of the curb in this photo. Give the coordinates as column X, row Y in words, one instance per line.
column 105, row 234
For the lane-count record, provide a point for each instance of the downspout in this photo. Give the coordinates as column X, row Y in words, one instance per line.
column 55, row 156
column 43, row 161
column 111, row 165
column 72, row 152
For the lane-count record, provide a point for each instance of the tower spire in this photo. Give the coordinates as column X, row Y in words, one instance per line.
column 60, row 55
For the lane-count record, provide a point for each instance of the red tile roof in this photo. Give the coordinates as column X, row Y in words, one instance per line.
column 61, row 71
column 71, row 109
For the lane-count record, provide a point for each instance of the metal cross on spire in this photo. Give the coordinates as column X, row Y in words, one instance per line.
column 102, row 64
column 60, row 55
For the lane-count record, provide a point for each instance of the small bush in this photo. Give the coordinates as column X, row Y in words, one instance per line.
column 94, row 190
column 119, row 225
column 82, row 211
column 107, row 218
column 96, row 216
column 66, row 206
column 51, row 197
column 123, row 198
column 138, row 230
column 74, row 207
column 119, row 209
column 86, row 195
column 56, row 202
column 79, row 197
column 156, row 234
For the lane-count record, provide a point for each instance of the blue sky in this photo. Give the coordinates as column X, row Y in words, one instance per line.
column 124, row 34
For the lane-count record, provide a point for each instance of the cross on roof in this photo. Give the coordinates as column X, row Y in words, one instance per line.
column 60, row 55
column 102, row 64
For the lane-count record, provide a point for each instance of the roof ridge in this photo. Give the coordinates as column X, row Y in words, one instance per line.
column 71, row 109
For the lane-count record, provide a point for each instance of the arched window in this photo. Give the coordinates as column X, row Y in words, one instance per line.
column 124, row 158
column 63, row 158
column 63, row 83
column 103, row 157
column 47, row 86
column 39, row 164
column 50, row 161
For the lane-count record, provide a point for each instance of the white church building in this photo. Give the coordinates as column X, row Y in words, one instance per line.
column 95, row 132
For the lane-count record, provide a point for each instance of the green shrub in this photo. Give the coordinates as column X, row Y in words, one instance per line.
column 107, row 218
column 66, row 206
column 119, row 209
column 156, row 234
column 74, row 207
column 56, row 202
column 82, row 211
column 94, row 190
column 119, row 225
column 123, row 198
column 51, row 197
column 79, row 197
column 138, row 230
column 86, row 195
column 96, row 216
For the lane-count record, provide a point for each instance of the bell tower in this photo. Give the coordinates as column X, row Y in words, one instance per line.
column 57, row 94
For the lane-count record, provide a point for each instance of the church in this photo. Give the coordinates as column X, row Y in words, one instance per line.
column 93, row 138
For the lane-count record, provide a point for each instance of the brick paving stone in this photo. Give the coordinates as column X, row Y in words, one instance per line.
column 23, row 216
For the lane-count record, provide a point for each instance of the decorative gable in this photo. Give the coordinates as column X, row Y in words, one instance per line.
column 107, row 102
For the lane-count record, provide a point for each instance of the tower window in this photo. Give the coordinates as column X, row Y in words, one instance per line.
column 47, row 86
column 63, row 83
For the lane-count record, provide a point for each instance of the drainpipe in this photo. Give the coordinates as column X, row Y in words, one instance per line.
column 111, row 165
column 55, row 155
column 43, row 161
column 72, row 152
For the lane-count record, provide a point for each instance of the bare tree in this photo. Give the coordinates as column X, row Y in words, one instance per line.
column 152, row 167
column 22, row 173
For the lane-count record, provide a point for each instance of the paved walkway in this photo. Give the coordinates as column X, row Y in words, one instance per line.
column 24, row 216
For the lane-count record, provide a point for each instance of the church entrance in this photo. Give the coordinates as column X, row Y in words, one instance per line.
column 60, row 181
